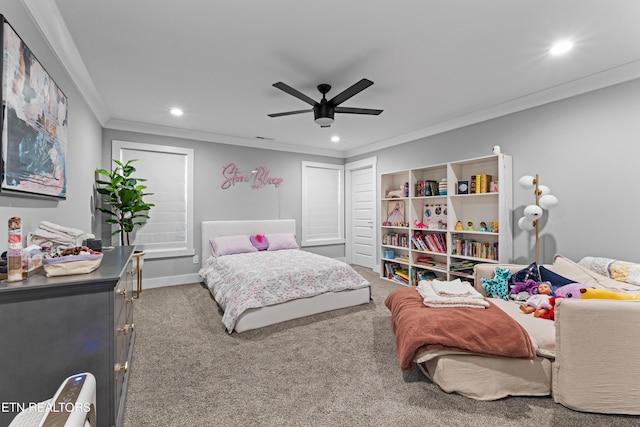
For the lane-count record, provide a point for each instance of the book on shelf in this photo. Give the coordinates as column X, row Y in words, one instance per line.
column 485, row 180
column 435, row 242
column 434, row 216
column 480, row 183
column 475, row 249
column 427, row 187
column 462, row 267
column 394, row 271
column 424, row 275
column 396, row 239
column 403, row 273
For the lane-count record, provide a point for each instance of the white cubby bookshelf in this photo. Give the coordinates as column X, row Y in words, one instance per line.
column 438, row 249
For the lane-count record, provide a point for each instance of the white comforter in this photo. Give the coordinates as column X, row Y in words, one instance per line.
column 258, row 279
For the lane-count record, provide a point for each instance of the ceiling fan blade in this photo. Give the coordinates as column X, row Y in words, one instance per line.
column 293, row 92
column 349, row 92
column 288, row 113
column 357, row 110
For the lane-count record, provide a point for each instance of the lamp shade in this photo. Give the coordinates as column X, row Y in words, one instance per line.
column 533, row 212
column 527, row 182
column 526, row 224
column 548, row 201
column 543, row 189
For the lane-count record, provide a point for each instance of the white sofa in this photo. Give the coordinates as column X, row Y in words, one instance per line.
column 594, row 344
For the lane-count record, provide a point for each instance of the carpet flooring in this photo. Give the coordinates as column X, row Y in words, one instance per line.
column 332, row 369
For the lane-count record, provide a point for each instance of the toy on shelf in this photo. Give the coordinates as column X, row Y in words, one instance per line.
column 493, row 227
column 418, row 224
column 459, row 226
column 470, row 226
column 395, row 193
column 483, row 226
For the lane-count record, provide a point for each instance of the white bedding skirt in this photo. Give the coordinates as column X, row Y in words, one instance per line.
column 486, row 378
column 255, row 318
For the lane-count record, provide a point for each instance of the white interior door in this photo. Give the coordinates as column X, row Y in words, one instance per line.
column 361, row 237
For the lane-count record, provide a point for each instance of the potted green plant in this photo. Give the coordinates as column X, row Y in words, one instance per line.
column 123, row 194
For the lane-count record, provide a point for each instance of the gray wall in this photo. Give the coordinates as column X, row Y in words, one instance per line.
column 238, row 202
column 585, row 149
column 83, row 151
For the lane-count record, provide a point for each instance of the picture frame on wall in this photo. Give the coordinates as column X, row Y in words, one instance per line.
column 34, row 122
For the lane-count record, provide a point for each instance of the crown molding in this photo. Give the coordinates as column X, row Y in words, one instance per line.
column 48, row 19
column 129, row 126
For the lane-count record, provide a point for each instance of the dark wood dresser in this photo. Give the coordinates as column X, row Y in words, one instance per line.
column 52, row 328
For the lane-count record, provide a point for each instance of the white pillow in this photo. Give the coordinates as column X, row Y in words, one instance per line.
column 228, row 245
column 280, row 241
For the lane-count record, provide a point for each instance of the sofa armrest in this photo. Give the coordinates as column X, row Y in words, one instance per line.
column 488, row 271
column 597, row 345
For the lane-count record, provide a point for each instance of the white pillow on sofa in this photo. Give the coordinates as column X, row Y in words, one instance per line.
column 574, row 271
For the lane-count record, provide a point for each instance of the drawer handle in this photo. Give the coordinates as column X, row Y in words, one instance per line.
column 122, row 292
column 125, row 329
column 120, row 367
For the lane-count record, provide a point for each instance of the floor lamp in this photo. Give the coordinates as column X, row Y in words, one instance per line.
column 544, row 200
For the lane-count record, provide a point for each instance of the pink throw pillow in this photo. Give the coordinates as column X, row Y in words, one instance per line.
column 259, row 241
column 228, row 245
column 280, row 241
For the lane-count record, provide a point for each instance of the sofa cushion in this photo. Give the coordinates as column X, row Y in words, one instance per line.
column 574, row 271
column 555, row 279
column 541, row 331
column 529, row 272
column 621, row 271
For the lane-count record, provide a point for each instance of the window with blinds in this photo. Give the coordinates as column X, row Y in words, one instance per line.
column 322, row 204
column 169, row 174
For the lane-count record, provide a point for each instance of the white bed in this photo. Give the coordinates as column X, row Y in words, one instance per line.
column 254, row 318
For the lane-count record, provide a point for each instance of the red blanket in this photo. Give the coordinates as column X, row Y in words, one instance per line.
column 488, row 331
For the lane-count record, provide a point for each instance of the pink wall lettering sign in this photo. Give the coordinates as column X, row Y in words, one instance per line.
column 258, row 178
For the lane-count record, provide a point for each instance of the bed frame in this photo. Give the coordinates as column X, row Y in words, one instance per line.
column 259, row 317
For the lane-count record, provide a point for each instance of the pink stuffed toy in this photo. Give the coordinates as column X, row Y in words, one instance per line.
column 572, row 290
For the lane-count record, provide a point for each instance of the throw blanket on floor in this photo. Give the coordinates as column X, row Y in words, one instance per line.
column 490, row 331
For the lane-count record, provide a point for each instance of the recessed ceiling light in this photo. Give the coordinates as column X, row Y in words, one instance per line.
column 176, row 112
column 561, row 47
column 335, row 138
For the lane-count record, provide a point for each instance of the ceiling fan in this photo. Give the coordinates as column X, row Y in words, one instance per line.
column 324, row 110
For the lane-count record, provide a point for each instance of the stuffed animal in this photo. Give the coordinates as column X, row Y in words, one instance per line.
column 572, row 291
column 418, row 224
column 498, row 286
column 520, row 291
column 590, row 293
column 396, row 193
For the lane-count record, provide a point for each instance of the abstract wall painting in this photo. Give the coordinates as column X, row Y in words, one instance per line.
column 33, row 123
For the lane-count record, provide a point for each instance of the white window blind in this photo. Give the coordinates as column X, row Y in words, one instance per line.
column 322, row 204
column 169, row 174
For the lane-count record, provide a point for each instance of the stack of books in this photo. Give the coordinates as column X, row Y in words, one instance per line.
column 480, row 184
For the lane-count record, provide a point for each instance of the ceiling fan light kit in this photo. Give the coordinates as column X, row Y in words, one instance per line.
column 324, row 110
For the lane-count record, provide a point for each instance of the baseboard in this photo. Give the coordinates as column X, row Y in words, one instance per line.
column 160, row 282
